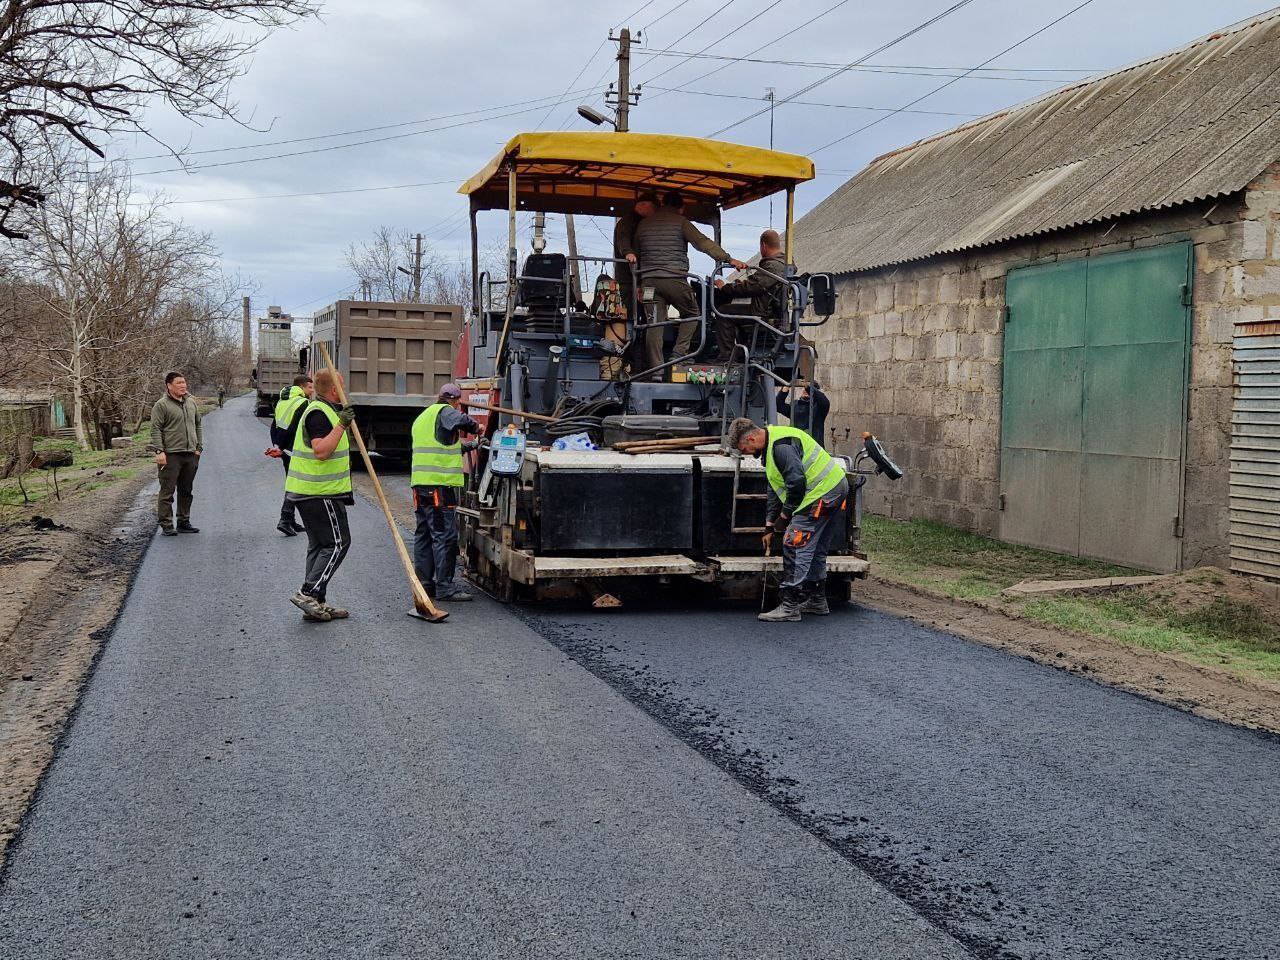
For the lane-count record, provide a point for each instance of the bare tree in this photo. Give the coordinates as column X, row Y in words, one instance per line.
column 81, row 70
column 375, row 264
column 108, row 280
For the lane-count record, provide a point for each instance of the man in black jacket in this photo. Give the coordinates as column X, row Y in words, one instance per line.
column 810, row 398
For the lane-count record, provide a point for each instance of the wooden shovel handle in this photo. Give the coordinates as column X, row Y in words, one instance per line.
column 420, row 594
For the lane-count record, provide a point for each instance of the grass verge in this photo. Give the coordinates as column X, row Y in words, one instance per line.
column 1205, row 616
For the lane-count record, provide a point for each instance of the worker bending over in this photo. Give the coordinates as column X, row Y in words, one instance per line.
column 437, row 478
column 284, row 425
column 319, row 482
column 807, row 491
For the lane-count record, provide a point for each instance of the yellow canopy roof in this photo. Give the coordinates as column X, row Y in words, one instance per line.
column 603, row 173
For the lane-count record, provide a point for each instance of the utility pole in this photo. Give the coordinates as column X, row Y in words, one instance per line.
column 624, row 80
column 571, row 239
column 246, row 354
column 539, row 232
column 417, row 268
column 771, row 95
column 365, row 292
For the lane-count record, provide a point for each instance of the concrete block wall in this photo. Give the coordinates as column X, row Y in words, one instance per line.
column 914, row 355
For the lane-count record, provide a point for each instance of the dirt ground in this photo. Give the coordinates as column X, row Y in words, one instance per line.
column 1199, row 689
column 62, row 589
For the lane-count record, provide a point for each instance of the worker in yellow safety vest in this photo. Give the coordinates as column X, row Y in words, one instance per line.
column 319, row 482
column 283, row 428
column 437, row 479
column 808, row 491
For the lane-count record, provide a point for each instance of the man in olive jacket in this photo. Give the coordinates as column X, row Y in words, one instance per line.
column 178, row 441
column 767, row 293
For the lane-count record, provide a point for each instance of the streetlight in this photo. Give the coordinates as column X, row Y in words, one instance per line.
column 593, row 115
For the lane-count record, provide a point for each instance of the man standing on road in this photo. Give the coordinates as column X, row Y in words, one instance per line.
column 437, row 478
column 178, row 441
column 319, row 482
column 662, row 242
column 807, row 491
column 284, row 426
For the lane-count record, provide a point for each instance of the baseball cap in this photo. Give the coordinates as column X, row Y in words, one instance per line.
column 450, row 390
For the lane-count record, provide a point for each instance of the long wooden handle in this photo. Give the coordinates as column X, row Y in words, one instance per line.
column 515, row 413
column 420, row 594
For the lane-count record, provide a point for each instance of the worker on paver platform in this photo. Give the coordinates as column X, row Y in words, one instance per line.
column 437, row 478
column 662, row 242
column 807, row 493
column 319, row 482
column 284, row 425
column 767, row 292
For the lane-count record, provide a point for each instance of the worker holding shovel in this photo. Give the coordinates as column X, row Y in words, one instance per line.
column 319, row 482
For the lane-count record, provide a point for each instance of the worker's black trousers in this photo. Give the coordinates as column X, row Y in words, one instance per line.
column 435, row 541
column 288, row 506
column 808, row 539
column 328, row 540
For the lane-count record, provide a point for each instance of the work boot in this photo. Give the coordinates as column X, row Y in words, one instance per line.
column 286, row 527
column 167, row 531
column 453, row 593
column 788, row 611
column 184, row 526
column 815, row 599
column 297, row 527
column 312, row 609
column 335, row 613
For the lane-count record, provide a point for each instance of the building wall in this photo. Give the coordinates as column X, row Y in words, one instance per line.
column 914, row 355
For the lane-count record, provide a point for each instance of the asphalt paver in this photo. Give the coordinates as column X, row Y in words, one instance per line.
column 1029, row 812
column 239, row 783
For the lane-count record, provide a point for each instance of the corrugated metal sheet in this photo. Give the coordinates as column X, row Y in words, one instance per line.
column 1198, row 122
column 1255, row 453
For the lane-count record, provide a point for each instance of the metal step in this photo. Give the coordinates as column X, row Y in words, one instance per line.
column 748, row 529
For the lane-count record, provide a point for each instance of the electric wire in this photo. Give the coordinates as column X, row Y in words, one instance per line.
column 961, row 4
column 742, row 26
column 941, row 87
column 811, row 103
column 318, row 193
column 763, row 46
column 910, row 68
column 657, row 20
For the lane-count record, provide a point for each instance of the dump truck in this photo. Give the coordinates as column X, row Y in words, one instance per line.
column 278, row 361
column 600, row 519
column 394, row 358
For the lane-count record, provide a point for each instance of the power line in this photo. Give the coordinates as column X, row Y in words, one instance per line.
column 812, row 103
column 860, row 60
column 908, row 68
column 560, row 99
column 745, row 23
column 345, row 133
column 339, row 146
column 765, row 46
column 651, row 23
column 940, row 87
column 320, row 193
column 633, row 14
column 697, row 26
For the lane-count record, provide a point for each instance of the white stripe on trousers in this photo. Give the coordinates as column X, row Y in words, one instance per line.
column 326, row 573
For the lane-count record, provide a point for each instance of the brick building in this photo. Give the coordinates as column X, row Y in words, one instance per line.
column 1038, row 312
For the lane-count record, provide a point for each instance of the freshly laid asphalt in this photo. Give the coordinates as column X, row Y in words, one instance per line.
column 661, row 783
column 239, row 783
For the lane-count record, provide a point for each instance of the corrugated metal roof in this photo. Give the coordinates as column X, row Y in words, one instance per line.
column 1197, row 122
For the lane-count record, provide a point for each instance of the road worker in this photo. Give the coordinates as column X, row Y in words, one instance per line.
column 662, row 242
column 807, row 491
column 283, row 427
column 437, row 478
column 765, row 288
column 319, row 482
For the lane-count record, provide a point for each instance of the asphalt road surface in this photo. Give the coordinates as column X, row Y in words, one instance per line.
column 559, row 783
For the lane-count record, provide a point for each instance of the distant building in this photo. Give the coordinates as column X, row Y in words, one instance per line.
column 1064, row 318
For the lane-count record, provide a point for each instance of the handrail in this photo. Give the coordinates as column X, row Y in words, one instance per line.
column 702, row 334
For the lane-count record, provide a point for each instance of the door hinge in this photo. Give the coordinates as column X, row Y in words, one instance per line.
column 1002, row 501
column 1186, row 294
column 1008, row 313
column 1177, row 526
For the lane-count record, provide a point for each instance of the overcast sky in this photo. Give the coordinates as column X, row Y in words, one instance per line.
column 413, row 63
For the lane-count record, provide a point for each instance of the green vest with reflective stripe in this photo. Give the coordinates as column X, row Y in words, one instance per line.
column 822, row 473
column 434, row 465
column 309, row 475
column 287, row 407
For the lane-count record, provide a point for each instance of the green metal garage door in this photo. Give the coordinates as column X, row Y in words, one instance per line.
column 1094, row 407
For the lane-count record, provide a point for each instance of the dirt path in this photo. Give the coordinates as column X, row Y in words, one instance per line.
column 62, row 591
column 1201, row 690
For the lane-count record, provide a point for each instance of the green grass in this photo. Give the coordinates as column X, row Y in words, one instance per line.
column 965, row 565
column 81, row 477
column 1216, row 630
